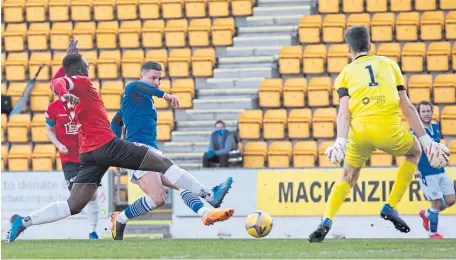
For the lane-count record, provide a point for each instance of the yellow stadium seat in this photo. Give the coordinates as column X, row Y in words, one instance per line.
column 4, row 123
column 324, row 122
column 279, row 154
column 376, row 6
column 436, row 115
column 337, row 57
column 413, row 57
column 419, row 88
column 184, row 90
column 333, row 28
column 18, row 128
column 19, row 157
column 59, row 10
column 61, row 34
column 310, row 28
column 294, row 92
column 159, row 56
column 407, row 26
column 453, row 57
column 38, row 128
column 358, row 19
column 242, row 7
column 438, row 56
column 447, row 4
column 3, row 61
column 382, row 27
column 219, row 8
column 223, row 30
column 107, row 35
column 36, row 59
column 165, row 124
column 381, row 159
column 450, row 26
column 4, row 155
column 328, row 6
column 452, row 147
column 132, row 61
column 299, row 121
column 92, row 59
column 152, row 33
column 13, row 11
column 129, row 33
column 290, row 60
column 305, row 154
column 176, row 33
column 81, row 10
column 199, row 32
column 43, row 157
column 445, row 89
column 84, row 33
column 15, row 91
column 179, row 62
column 4, row 88
column 127, row 9
column 111, row 94
column 270, row 92
column 160, row 103
column 172, row 9
column 40, row 97
column 274, row 123
column 103, row 10
column 96, row 85
column 314, row 59
column 108, row 64
column 391, row 50
column 401, row 5
column 399, row 160
column 16, row 66
column 38, row 36
column 35, row 11
column 14, row 37
column 149, row 9
column 255, row 154
column 195, row 8
column 353, row 6
column 322, row 159
column 250, row 123
column 425, row 5
column 203, row 62
column 319, row 91
column 448, row 122
column 432, row 25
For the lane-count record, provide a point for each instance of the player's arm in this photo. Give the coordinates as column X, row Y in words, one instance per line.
column 149, row 90
column 50, row 132
column 117, row 124
column 229, row 143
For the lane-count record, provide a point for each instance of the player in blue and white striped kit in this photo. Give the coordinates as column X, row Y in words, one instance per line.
column 139, row 116
column 436, row 184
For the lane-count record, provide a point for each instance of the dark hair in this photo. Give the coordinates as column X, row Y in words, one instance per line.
column 151, row 65
column 358, row 38
column 70, row 61
column 220, row 122
column 424, row 103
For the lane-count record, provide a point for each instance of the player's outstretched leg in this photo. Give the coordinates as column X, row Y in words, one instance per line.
column 92, row 215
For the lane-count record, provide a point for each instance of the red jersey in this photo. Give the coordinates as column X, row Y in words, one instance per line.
column 66, row 126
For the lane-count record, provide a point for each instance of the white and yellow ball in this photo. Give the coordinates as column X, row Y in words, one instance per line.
column 258, row 224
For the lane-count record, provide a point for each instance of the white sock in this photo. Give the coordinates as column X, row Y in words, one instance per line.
column 122, row 218
column 185, row 180
column 426, row 213
column 203, row 211
column 140, row 207
column 92, row 215
column 48, row 214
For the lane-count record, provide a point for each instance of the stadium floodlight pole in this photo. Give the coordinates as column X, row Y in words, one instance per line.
column 21, row 103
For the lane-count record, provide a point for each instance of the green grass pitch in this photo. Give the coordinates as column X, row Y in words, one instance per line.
column 232, row 248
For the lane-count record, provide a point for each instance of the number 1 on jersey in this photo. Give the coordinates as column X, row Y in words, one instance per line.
column 373, row 83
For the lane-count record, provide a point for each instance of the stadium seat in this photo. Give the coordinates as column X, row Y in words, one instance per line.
column 413, row 57
column 127, row 9
column 425, row 5
column 195, row 8
column 407, row 26
column 179, row 62
column 310, row 29
column 184, row 90
column 61, row 33
column 18, row 128
column 223, row 30
column 203, row 62
column 299, row 121
column 176, row 33
column 358, row 19
column 319, row 91
column 250, row 123
column 38, row 36
column 305, row 154
column 290, row 60
column 35, row 11
column 242, row 7
column 160, row 103
column 81, row 10
column 324, row 122
column 335, row 97
column 13, row 11
column 96, row 85
column 450, row 26
column 4, row 88
column 40, row 97
column 4, row 155
column 333, row 28
column 322, row 159
column 382, row 27
column 4, row 123
column 16, row 65
column 399, row 160
column 129, row 34
column 438, row 56
column 103, row 10
column 453, row 57
column 165, row 124
column 92, row 59
column 59, row 10
column 219, row 8
column 38, row 128
column 3, row 61
column 452, row 147
column 274, row 123
column 14, row 37
column 172, row 9
column 447, row 4
column 432, row 25
column 279, row 154
column 401, row 5
column 132, row 61
column 294, row 92
column 84, row 33
column 108, row 64
column 159, row 56
column 448, row 122
column 419, row 88
column 337, row 57
column 328, row 6
column 19, row 157
column 37, row 59
column 352, row 6
column 391, row 50
column 381, row 159
column 436, row 114
column 199, row 32
column 43, row 157
column 314, row 58
column 15, row 91
column 152, row 33
column 255, row 154
column 111, row 94
column 270, row 92
column 376, row 6
column 445, row 89
column 149, row 9
column 107, row 35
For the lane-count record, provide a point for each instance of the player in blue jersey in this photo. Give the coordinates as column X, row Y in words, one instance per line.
column 139, row 116
column 436, row 184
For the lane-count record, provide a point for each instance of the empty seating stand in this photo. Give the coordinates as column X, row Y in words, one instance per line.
column 305, row 154
column 280, row 154
column 270, row 93
column 299, row 123
column 294, row 92
column 250, row 124
column 274, row 124
column 255, row 154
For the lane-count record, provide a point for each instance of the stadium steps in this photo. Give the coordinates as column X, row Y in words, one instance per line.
column 191, row 136
column 228, row 93
column 182, row 147
column 294, row 3
column 225, row 103
column 185, row 159
column 245, row 72
column 204, row 125
column 211, row 114
column 252, row 51
column 228, row 83
column 268, row 30
column 246, row 62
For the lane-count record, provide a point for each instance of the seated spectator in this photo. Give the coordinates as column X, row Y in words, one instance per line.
column 222, row 142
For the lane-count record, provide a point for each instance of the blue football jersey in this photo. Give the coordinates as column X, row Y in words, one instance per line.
column 424, row 166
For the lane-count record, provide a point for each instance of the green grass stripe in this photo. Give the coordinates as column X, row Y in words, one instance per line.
column 144, row 236
column 149, row 222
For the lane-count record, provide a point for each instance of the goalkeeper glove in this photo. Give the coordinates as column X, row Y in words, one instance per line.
column 336, row 152
column 437, row 154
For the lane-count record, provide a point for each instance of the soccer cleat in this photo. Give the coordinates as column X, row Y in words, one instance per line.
column 217, row 215
column 93, row 236
column 117, row 227
column 16, row 228
column 320, row 233
column 436, row 236
column 220, row 192
column 425, row 219
column 388, row 213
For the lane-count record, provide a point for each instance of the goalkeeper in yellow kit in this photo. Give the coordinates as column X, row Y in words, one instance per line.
column 372, row 96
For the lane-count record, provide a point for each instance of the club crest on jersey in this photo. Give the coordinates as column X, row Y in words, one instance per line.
column 72, row 129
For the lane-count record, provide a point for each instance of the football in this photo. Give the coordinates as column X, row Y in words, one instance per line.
column 258, row 224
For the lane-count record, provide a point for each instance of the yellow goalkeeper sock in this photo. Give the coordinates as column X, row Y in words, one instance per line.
column 338, row 194
column 403, row 178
